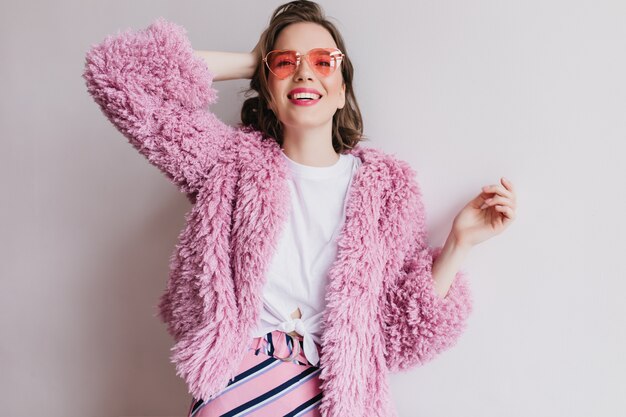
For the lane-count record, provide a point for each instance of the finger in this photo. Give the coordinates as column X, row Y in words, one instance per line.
column 507, row 211
column 508, row 184
column 479, row 199
column 498, row 189
column 500, row 200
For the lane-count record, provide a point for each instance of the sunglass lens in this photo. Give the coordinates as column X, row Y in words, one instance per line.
column 282, row 63
column 324, row 61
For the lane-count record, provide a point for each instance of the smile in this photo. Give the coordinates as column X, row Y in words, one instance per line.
column 304, row 96
column 304, row 101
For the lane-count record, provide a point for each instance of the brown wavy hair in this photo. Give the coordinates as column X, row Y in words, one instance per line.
column 347, row 127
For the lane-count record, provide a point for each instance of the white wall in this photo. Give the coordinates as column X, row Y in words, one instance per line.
column 474, row 90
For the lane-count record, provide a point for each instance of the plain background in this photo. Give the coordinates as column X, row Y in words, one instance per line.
column 466, row 91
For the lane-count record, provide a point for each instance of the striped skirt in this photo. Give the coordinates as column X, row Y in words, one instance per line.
column 274, row 379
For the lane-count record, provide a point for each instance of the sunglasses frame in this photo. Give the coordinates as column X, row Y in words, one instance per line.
column 339, row 56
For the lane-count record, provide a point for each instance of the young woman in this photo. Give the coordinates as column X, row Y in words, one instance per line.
column 303, row 275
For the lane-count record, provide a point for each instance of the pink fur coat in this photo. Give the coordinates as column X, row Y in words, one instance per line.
column 382, row 313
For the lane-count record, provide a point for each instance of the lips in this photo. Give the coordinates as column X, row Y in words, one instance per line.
column 303, row 90
column 307, row 96
column 304, row 102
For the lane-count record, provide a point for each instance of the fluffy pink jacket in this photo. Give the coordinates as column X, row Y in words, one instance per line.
column 382, row 313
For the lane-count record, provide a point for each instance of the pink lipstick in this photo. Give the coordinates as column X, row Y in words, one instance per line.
column 304, row 96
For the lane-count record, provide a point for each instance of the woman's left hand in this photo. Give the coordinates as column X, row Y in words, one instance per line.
column 487, row 215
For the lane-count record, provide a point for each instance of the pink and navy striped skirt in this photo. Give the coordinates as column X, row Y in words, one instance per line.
column 274, row 379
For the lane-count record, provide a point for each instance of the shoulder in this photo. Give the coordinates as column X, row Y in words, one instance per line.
column 403, row 209
column 250, row 148
column 397, row 174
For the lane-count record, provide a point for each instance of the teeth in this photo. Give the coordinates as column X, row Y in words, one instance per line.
column 305, row 95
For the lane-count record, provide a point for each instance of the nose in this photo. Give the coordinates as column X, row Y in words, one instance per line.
column 303, row 70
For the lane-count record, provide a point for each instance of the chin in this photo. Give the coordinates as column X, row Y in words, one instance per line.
column 309, row 120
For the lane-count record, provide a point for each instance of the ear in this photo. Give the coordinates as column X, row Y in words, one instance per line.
column 342, row 102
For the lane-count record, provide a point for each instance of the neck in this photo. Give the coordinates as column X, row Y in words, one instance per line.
column 310, row 146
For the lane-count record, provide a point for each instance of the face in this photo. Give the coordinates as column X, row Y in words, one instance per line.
column 303, row 37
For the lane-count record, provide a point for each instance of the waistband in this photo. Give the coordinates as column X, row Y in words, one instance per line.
column 282, row 346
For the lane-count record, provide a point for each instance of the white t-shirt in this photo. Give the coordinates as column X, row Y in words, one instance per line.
column 297, row 275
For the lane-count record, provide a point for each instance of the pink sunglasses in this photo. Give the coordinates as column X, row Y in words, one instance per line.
column 284, row 62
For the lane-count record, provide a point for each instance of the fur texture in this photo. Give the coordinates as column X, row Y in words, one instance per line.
column 382, row 313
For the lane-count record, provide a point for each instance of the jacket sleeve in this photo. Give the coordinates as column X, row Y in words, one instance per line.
column 152, row 87
column 418, row 323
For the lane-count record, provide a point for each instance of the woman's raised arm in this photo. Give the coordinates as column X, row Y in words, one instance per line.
column 155, row 90
column 229, row 65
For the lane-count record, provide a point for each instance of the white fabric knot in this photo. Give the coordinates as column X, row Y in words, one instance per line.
column 310, row 349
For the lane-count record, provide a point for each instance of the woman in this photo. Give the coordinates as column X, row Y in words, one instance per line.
column 303, row 275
